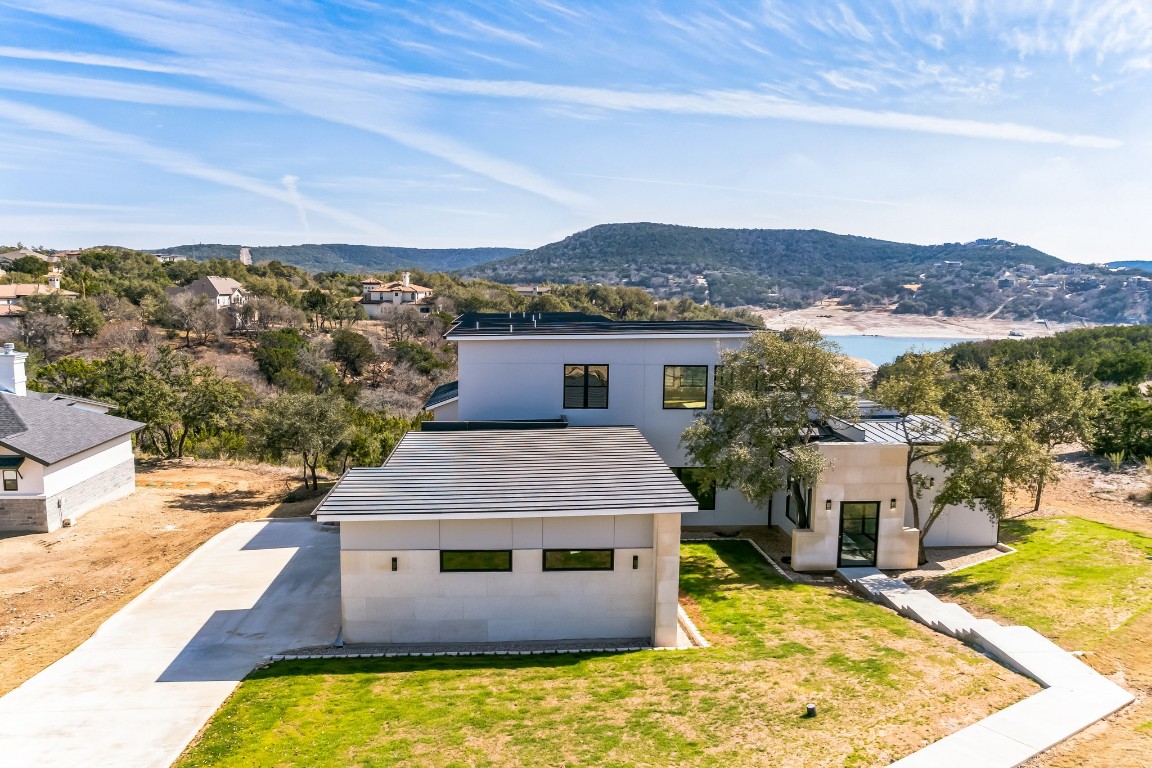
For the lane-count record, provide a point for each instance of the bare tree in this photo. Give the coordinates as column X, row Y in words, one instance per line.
column 196, row 316
column 47, row 333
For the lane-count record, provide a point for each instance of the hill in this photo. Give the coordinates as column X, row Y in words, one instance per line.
column 795, row 268
column 745, row 265
column 340, row 257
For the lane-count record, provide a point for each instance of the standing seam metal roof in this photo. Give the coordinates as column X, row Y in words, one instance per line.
column 562, row 472
column 581, row 324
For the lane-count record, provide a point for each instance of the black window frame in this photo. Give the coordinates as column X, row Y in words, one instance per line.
column 474, row 570
column 611, row 559
column 585, row 387
column 15, row 480
column 664, row 390
column 697, row 488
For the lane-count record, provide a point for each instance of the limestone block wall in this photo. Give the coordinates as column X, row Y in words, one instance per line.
column 39, row 514
column 417, row 603
column 857, row 472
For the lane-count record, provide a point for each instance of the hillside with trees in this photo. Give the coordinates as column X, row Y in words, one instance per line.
column 795, row 268
column 340, row 257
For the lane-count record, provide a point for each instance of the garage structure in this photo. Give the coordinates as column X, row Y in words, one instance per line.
column 510, row 531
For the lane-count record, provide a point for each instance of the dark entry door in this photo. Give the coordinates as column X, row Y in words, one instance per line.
column 859, row 525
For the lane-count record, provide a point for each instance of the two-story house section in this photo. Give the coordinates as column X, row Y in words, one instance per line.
column 594, row 371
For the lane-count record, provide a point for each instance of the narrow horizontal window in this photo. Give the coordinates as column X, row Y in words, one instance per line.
column 475, row 560
column 585, row 386
column 686, row 386
column 578, row 559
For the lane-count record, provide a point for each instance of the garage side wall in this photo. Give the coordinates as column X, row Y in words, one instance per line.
column 417, row 603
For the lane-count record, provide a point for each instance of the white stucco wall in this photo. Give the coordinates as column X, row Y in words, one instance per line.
column 418, row 603
column 857, row 472
column 448, row 411
column 76, row 469
column 523, row 378
column 958, row 525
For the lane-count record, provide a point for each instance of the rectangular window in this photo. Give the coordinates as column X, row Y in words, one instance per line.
column 685, row 386
column 703, row 490
column 578, row 559
column 585, row 386
column 10, row 480
column 454, row 560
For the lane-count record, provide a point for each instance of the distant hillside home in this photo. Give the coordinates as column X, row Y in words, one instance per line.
column 12, row 295
column 379, row 298
column 59, row 456
column 224, row 291
column 8, row 257
column 169, row 258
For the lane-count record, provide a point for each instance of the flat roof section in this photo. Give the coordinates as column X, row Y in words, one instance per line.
column 472, row 474
column 505, row 325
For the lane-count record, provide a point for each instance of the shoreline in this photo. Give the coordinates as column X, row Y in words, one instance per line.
column 834, row 321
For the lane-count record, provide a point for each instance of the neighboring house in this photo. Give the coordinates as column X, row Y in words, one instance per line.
column 7, row 257
column 224, row 292
column 60, row 456
column 11, row 296
column 532, row 290
column 378, row 298
column 169, row 258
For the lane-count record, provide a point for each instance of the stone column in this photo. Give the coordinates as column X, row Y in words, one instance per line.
column 666, row 575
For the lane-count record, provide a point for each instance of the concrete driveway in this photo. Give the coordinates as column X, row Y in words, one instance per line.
column 143, row 685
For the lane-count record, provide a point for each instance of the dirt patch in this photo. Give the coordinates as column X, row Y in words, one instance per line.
column 57, row 588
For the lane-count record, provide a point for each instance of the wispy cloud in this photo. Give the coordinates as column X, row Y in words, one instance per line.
column 169, row 160
column 751, row 105
column 115, row 90
column 291, row 184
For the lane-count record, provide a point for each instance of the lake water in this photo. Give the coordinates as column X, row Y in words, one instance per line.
column 885, row 349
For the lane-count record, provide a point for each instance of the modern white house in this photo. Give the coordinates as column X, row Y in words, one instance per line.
column 59, row 456
column 553, row 476
column 379, row 298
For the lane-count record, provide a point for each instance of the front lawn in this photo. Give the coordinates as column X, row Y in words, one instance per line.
column 1072, row 580
column 883, row 686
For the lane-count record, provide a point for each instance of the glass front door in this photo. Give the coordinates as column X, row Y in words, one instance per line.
column 859, row 524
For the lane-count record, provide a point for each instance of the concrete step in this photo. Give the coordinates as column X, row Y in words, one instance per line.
column 1036, row 656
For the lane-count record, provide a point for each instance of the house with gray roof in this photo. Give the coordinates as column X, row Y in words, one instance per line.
column 60, row 456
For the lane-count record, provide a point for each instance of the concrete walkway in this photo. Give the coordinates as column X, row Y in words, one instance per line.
column 1075, row 695
column 144, row 684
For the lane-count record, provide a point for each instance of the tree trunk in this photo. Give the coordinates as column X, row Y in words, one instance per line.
column 180, row 444
column 921, row 555
column 1039, row 493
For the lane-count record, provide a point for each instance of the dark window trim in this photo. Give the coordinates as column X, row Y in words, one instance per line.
column 664, row 389
column 611, row 558
column 711, row 491
column 475, row 570
column 15, row 480
column 585, row 387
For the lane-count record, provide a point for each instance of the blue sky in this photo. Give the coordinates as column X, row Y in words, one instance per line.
column 439, row 124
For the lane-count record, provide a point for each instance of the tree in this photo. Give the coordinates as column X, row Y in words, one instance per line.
column 956, row 422
column 353, row 351
column 1053, row 406
column 30, row 265
column 45, row 332
column 765, row 395
column 1125, row 424
column 306, row 424
column 84, row 317
column 195, row 314
column 278, row 351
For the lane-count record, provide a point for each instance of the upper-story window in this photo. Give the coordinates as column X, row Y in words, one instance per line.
column 686, row 386
column 585, row 386
column 11, row 483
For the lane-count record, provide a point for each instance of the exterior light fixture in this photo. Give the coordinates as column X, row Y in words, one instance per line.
column 827, row 505
column 635, row 562
column 394, row 563
column 892, row 504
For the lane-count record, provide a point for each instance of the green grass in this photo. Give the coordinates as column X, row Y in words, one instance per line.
column 1072, row 580
column 882, row 685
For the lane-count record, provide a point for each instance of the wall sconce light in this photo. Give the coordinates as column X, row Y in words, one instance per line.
column 827, row 505
column 635, row 562
column 394, row 563
column 892, row 504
